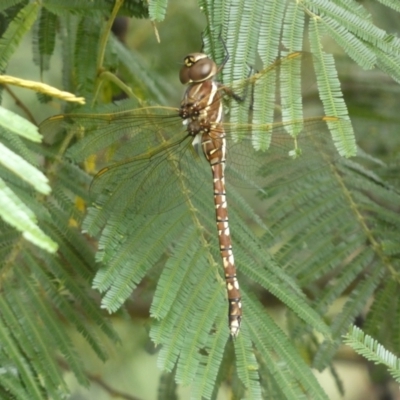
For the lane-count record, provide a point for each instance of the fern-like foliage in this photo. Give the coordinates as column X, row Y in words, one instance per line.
column 373, row 351
column 309, row 229
column 15, row 31
column 44, row 38
column 17, row 161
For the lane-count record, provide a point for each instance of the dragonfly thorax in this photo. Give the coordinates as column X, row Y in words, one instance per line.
column 201, row 107
column 198, row 126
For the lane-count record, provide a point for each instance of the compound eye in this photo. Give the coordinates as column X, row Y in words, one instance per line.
column 202, row 70
column 197, row 68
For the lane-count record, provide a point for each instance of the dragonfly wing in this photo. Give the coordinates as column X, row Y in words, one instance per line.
column 150, row 183
column 150, row 167
column 141, row 129
column 243, row 87
column 285, row 159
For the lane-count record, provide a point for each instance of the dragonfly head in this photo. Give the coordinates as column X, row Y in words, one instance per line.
column 197, row 68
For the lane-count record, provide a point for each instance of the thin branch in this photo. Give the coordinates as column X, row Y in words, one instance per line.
column 103, row 45
column 20, row 104
column 106, row 34
column 95, row 378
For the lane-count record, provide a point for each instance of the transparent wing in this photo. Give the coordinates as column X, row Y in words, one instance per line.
column 268, row 75
column 151, row 164
column 282, row 158
column 142, row 129
column 153, row 182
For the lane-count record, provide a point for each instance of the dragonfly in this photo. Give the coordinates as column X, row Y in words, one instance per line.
column 158, row 155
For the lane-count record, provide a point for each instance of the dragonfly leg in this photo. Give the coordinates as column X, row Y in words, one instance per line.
column 241, row 98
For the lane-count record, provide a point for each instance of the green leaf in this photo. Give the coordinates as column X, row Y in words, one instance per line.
column 17, row 214
column 157, row 10
column 24, row 170
column 14, row 123
column 44, row 39
column 370, row 349
column 16, row 30
column 331, row 94
column 392, row 4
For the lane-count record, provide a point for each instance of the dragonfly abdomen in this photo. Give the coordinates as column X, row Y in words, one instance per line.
column 214, row 147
